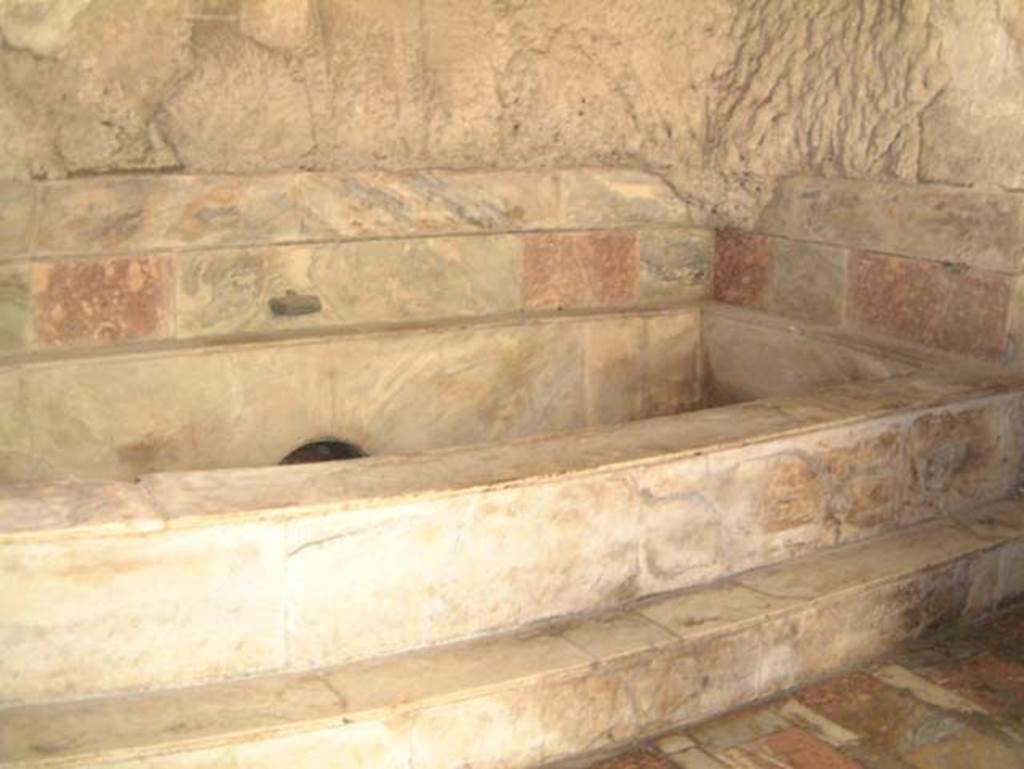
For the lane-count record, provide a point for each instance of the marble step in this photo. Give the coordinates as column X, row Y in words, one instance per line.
column 265, row 571
column 580, row 684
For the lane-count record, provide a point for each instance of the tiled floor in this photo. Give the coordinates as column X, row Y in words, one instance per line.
column 954, row 702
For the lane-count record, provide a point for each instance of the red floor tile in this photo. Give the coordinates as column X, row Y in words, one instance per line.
column 789, row 749
column 636, row 759
column 879, row 713
column 995, row 683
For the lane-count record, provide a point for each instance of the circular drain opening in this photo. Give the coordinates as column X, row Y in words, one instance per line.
column 323, row 450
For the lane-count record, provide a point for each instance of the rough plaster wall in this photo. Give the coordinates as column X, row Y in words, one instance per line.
column 832, row 87
column 721, row 96
column 974, row 132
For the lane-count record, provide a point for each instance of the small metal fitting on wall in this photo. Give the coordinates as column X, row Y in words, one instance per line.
column 295, row 304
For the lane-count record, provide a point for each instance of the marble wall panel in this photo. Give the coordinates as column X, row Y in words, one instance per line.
column 221, row 292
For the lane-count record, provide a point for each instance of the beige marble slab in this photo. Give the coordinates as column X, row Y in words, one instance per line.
column 707, row 611
column 680, row 540
column 17, row 462
column 113, row 214
column 142, row 212
column 226, row 291
column 620, row 197
column 878, row 560
column 924, row 690
column 1000, row 520
column 16, row 211
column 900, row 219
column 796, row 712
column 610, row 637
column 747, row 359
column 32, row 510
column 378, row 204
column 675, row 264
column 672, row 358
column 89, row 421
column 614, row 382
column 457, row 567
column 121, row 612
column 171, row 718
column 17, row 331
column 460, row 672
column 966, row 455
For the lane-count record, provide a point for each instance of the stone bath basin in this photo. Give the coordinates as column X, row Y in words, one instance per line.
column 401, row 390
column 605, row 483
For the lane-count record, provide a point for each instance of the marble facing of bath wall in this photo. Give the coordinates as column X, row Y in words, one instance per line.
column 86, row 264
column 162, row 284
column 932, row 265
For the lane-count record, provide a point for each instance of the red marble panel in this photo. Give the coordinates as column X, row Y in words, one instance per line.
column 579, row 270
column 929, row 303
column 100, row 302
column 742, row 269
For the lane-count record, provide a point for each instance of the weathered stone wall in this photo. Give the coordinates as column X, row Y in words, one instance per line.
column 702, row 90
column 724, row 100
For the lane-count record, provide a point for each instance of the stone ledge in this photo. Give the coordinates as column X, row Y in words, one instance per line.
column 559, row 689
column 115, row 215
column 944, row 224
column 58, row 510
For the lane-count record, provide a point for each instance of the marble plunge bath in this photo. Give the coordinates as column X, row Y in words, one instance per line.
column 522, row 470
column 401, row 390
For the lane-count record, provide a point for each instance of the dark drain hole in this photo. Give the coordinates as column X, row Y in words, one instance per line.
column 324, row 450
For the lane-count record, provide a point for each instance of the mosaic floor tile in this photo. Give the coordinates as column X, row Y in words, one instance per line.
column 737, row 728
column 925, row 690
column 995, row 683
column 816, row 724
column 637, row 759
column 884, row 715
column 695, row 758
column 967, row 750
column 674, row 743
column 788, row 749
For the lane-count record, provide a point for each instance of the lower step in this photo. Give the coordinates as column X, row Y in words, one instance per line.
column 579, row 685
